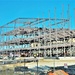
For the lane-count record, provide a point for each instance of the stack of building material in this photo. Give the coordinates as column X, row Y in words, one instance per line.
column 58, row 72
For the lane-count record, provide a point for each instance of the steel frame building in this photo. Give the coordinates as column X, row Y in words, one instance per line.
column 45, row 37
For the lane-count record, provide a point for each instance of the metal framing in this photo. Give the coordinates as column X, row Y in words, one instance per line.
column 41, row 36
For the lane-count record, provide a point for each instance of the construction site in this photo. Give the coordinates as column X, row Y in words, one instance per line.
column 41, row 38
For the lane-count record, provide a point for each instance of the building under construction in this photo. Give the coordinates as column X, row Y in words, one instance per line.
column 45, row 37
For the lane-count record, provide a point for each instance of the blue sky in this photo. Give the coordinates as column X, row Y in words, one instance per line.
column 12, row 9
